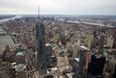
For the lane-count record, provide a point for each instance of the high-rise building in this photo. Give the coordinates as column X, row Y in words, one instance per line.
column 41, row 55
column 114, row 31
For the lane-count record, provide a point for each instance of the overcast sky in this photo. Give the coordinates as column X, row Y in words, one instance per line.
column 76, row 7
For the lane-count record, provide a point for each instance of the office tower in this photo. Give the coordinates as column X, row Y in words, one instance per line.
column 114, row 36
column 96, row 65
column 41, row 53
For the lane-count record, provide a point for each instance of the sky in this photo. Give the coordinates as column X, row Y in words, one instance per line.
column 63, row 7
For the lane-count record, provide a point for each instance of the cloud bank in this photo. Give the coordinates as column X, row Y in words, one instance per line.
column 82, row 7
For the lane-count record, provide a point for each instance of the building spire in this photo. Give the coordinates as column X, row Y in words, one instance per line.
column 38, row 13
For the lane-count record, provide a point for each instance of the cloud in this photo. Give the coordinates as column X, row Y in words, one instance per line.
column 59, row 6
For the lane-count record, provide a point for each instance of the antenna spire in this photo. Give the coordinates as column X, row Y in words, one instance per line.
column 38, row 11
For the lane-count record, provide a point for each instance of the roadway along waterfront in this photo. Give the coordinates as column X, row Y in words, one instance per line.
column 5, row 37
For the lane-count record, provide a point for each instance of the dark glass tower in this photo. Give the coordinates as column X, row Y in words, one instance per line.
column 41, row 55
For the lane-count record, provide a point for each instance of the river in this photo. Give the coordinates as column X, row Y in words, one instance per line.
column 5, row 38
column 11, row 18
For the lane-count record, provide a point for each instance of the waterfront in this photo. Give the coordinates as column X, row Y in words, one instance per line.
column 5, row 39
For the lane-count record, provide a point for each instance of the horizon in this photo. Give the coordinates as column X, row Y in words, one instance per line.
column 61, row 14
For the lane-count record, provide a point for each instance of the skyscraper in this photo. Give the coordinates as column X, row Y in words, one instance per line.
column 41, row 55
